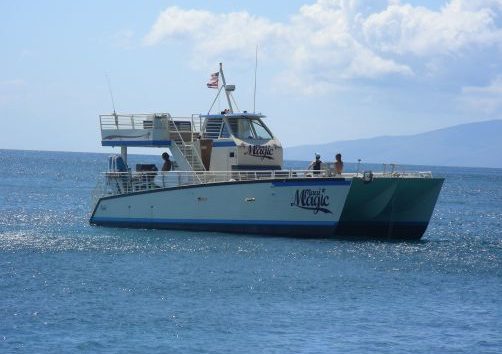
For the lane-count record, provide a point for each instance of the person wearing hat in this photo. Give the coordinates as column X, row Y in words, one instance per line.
column 167, row 163
column 316, row 164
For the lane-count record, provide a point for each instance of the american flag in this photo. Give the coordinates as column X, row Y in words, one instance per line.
column 213, row 81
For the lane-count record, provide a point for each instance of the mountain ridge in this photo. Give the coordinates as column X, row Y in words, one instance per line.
column 476, row 144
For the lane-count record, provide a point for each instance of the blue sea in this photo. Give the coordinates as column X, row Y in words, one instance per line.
column 66, row 286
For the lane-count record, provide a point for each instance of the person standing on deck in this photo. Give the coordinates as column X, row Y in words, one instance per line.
column 338, row 164
column 316, row 164
column 167, row 166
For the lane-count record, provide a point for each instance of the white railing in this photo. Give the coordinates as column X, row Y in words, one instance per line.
column 148, row 121
column 112, row 183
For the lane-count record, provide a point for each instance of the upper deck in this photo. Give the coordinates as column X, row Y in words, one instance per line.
column 154, row 129
column 160, row 129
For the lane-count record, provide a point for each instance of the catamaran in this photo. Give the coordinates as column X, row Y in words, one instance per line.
column 230, row 177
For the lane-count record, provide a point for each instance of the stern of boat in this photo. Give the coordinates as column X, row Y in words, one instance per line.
column 389, row 207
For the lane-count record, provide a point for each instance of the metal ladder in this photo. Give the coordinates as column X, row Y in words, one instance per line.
column 187, row 151
column 213, row 127
column 191, row 155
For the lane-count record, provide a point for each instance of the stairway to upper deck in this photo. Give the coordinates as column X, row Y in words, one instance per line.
column 189, row 153
column 182, row 134
column 213, row 128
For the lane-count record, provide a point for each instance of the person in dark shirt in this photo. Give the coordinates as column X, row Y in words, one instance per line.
column 167, row 166
column 338, row 164
column 316, row 164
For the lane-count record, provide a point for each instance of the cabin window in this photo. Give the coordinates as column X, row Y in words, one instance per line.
column 243, row 128
column 234, row 127
column 224, row 131
column 261, row 132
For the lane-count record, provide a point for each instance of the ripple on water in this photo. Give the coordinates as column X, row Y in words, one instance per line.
column 67, row 286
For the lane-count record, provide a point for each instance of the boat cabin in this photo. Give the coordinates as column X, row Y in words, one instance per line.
column 240, row 141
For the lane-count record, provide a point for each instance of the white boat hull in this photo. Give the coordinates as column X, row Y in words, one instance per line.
column 289, row 207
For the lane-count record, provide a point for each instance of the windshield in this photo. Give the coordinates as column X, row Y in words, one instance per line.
column 246, row 128
column 224, row 131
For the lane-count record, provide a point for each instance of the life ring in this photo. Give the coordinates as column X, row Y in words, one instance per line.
column 367, row 177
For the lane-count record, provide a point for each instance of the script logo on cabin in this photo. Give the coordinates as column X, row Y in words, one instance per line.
column 312, row 199
column 262, row 151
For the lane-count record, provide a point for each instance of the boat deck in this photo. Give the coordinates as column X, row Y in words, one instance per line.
column 114, row 183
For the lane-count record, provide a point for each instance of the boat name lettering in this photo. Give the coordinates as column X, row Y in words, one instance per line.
column 312, row 199
column 263, row 151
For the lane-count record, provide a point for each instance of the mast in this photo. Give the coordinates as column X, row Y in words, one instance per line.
column 227, row 92
column 255, row 69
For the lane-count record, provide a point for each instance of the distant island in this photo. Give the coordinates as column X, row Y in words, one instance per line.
column 467, row 145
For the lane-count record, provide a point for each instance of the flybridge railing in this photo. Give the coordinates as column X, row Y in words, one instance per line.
column 148, row 121
column 113, row 183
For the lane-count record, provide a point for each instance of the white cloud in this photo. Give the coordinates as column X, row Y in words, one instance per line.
column 487, row 99
column 335, row 40
column 213, row 34
column 404, row 29
column 174, row 22
column 494, row 88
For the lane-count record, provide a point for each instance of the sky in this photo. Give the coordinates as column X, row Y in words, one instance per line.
column 328, row 70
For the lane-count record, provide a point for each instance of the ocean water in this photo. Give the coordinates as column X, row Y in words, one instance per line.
column 66, row 286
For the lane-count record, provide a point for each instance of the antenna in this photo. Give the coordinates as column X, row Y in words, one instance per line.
column 255, row 69
column 111, row 93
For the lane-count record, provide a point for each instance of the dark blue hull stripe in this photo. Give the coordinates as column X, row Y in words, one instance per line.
column 223, row 143
column 289, row 228
column 99, row 220
column 313, row 182
column 359, row 230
